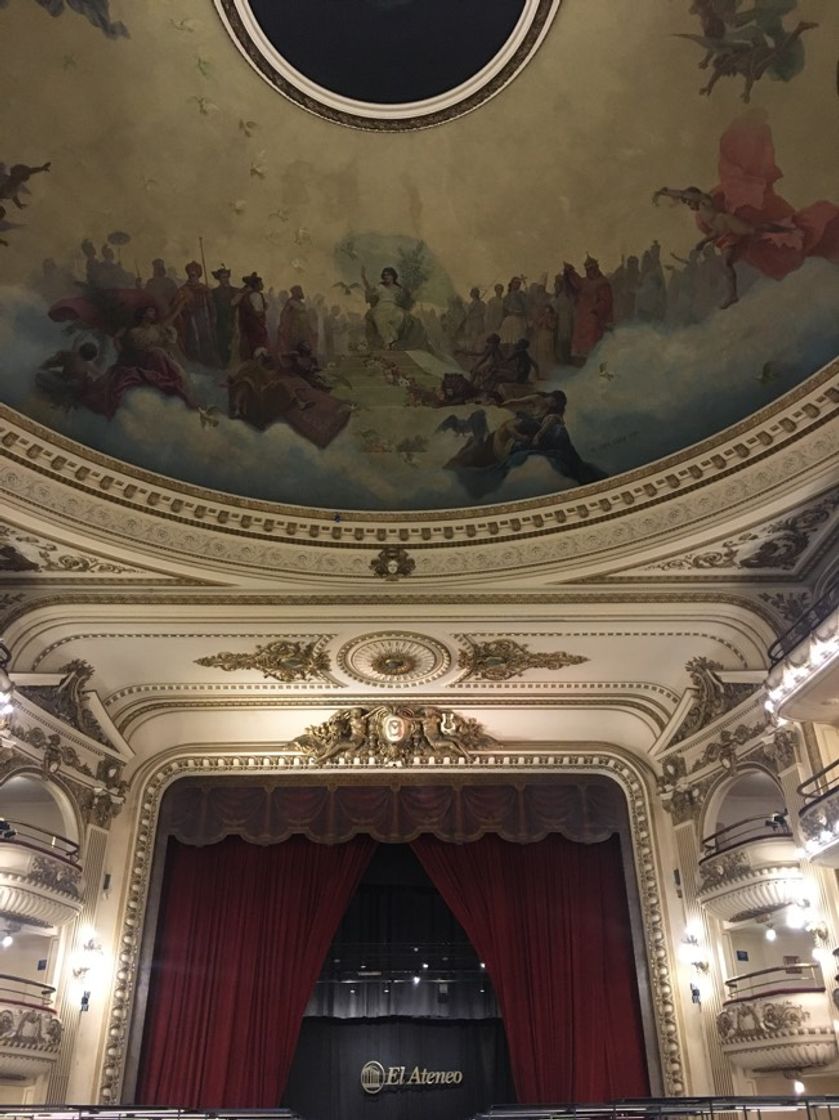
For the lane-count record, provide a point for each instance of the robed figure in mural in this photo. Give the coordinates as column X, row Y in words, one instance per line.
column 746, row 220
column 295, row 323
column 196, row 318
column 251, row 309
column 593, row 308
column 390, row 326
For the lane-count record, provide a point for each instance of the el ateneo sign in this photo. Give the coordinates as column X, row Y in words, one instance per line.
column 375, row 1077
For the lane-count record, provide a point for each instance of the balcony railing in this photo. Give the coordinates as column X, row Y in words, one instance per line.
column 40, row 875
column 41, row 839
column 662, row 1108
column 30, row 1031
column 768, row 826
column 750, row 868
column 805, row 624
column 779, row 980
column 25, row 993
column 819, row 815
column 777, row 1019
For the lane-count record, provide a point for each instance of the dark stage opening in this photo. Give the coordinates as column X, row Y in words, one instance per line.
column 404, row 997
column 323, row 947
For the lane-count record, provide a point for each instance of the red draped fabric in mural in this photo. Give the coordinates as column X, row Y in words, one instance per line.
column 243, row 936
column 551, row 922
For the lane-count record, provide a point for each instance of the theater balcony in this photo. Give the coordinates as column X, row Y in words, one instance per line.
column 40, row 876
column 749, row 869
column 803, row 683
column 30, row 1031
column 777, row 1019
column 818, row 816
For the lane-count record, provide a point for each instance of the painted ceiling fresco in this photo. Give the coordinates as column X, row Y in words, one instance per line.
column 630, row 247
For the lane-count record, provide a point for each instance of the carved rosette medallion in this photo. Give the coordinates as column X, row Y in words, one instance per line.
column 394, row 658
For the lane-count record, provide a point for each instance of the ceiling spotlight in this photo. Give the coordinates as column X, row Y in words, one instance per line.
column 7, row 941
column 771, row 935
column 798, row 1087
column 483, row 965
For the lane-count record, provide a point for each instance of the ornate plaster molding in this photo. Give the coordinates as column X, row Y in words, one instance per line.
column 653, row 504
column 683, row 788
column 162, row 773
column 500, row 659
column 778, row 545
column 392, row 736
column 67, row 701
column 394, row 658
column 282, row 660
column 713, row 697
column 22, row 552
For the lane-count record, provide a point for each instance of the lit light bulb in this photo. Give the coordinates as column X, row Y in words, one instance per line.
column 425, row 964
column 795, row 918
column 7, row 941
column 771, row 935
column 416, row 979
column 822, row 956
column 798, row 1087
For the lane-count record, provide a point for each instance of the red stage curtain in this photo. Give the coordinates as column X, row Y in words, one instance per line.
column 244, row 933
column 550, row 921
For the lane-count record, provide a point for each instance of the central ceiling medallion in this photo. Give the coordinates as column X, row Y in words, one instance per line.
column 394, row 658
column 388, row 65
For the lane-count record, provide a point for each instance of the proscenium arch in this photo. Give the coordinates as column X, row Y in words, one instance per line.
column 630, row 774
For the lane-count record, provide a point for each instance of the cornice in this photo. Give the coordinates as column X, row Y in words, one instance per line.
column 720, row 478
column 17, row 607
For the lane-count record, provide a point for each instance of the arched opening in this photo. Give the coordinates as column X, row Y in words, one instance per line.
column 750, row 796
column 38, row 847
column 492, row 865
column 39, row 805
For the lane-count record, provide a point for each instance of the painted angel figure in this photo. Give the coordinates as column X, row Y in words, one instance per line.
column 748, row 43
column 746, row 220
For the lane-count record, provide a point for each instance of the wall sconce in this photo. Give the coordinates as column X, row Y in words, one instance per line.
column 692, row 952
column 89, row 955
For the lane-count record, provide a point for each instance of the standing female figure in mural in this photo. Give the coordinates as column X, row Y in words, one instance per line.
column 390, row 326
column 514, row 323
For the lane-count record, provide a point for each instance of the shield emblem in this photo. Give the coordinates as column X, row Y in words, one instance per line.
column 395, row 728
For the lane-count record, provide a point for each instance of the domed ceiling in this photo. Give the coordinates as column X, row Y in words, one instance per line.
column 391, row 255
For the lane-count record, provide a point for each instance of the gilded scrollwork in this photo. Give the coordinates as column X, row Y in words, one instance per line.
column 30, row 1029
column 713, row 697
column 501, row 659
column 746, row 1022
column 57, row 876
column 392, row 736
column 282, row 660
column 725, row 868
column 66, row 700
